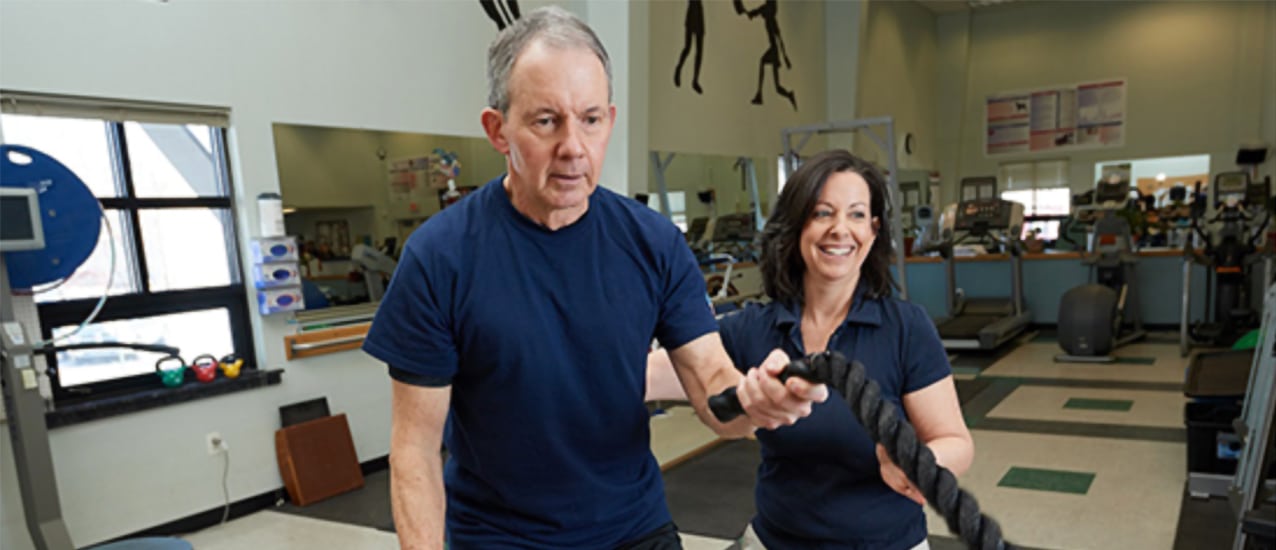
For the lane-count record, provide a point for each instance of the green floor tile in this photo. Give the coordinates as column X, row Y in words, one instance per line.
column 1122, row 405
column 967, row 371
column 1058, row 481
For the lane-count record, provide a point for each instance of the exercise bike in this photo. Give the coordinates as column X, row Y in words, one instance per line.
column 1098, row 317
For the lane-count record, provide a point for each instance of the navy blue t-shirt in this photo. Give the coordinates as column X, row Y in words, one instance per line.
column 819, row 485
column 543, row 336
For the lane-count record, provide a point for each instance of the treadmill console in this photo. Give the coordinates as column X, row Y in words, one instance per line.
column 1230, row 184
column 1257, row 193
column 986, row 214
column 1112, row 194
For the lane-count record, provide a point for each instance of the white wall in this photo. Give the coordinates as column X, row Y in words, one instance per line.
column 1195, row 74
column 394, row 66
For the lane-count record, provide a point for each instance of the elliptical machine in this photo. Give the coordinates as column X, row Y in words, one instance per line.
column 1231, row 254
column 1098, row 317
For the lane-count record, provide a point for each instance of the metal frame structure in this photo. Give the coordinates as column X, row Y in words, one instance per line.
column 24, row 408
column 661, row 164
column 886, row 143
column 1256, row 427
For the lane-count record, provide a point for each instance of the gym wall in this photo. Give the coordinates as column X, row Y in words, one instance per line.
column 1200, row 76
column 899, row 67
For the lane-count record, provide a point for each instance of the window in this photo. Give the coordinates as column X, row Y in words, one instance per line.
column 1042, row 188
column 161, row 177
column 1156, row 176
column 677, row 207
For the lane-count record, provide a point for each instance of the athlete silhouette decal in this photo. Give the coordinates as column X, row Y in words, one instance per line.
column 502, row 12
column 694, row 31
column 774, row 53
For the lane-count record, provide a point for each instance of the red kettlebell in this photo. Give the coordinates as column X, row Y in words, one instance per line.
column 205, row 367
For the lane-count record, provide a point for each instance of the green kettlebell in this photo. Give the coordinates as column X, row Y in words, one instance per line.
column 172, row 370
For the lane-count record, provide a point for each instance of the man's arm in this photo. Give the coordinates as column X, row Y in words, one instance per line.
column 704, row 368
column 416, row 465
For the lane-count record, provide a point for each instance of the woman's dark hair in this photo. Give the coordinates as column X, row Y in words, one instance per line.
column 781, row 262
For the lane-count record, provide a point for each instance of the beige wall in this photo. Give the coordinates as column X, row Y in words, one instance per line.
column 897, row 78
column 1195, row 75
column 722, row 121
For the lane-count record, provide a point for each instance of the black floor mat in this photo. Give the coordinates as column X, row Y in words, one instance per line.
column 1204, row 524
column 369, row 506
column 712, row 494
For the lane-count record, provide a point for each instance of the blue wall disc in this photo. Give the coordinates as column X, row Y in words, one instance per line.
column 71, row 215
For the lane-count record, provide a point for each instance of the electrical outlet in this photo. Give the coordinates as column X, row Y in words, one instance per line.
column 215, row 443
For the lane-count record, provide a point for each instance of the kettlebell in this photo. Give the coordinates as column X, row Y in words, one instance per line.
column 205, row 367
column 169, row 374
column 230, row 366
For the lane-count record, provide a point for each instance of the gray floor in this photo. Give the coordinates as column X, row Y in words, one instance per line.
column 367, row 507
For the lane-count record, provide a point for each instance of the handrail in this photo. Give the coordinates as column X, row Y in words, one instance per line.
column 325, row 341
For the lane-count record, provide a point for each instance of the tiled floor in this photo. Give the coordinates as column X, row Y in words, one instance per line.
column 677, row 432
column 1147, row 408
column 1036, row 360
column 1098, row 452
column 1133, row 501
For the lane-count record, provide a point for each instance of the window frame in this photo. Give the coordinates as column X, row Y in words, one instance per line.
column 144, row 303
column 1036, row 186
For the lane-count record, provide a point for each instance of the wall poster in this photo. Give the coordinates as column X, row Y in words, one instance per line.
column 1060, row 118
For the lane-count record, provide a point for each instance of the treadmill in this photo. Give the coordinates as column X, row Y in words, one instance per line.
column 983, row 323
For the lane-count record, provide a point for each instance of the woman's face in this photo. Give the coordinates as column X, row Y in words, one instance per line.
column 840, row 230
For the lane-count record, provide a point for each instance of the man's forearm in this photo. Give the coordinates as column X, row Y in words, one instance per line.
column 721, row 380
column 416, row 489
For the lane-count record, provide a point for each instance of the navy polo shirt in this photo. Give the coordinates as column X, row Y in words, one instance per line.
column 543, row 336
column 819, row 484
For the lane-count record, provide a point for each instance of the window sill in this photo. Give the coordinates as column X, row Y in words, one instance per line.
column 152, row 399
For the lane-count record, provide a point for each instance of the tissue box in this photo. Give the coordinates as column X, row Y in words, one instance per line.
column 279, row 300
column 275, row 249
column 276, row 274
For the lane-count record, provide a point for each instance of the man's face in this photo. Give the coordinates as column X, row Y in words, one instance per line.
column 556, row 131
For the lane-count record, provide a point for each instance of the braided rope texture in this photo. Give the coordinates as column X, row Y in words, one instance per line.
column 887, row 427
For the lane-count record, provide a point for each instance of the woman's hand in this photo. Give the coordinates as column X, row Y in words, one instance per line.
column 895, row 478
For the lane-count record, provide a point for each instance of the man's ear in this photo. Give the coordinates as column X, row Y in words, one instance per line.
column 493, row 122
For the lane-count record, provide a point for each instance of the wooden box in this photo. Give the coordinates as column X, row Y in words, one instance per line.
column 317, row 459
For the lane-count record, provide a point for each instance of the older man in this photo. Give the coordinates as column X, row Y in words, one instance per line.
column 518, row 322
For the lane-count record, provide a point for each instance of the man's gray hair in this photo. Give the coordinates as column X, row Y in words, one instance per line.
column 554, row 26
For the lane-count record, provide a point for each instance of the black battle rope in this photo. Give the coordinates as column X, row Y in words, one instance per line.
column 885, row 426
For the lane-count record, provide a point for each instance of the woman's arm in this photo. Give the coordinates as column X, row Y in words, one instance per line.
column 936, row 415
column 662, row 381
